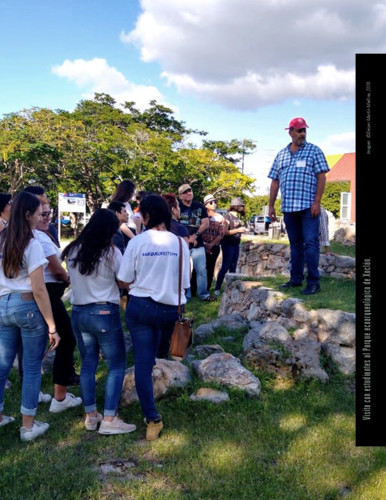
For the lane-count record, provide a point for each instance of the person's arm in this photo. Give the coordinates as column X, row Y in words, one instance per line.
column 315, row 208
column 241, row 229
column 274, row 189
column 126, row 231
column 204, row 225
column 138, row 223
column 42, row 299
column 56, row 269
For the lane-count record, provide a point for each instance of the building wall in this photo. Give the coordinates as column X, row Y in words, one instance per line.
column 342, row 168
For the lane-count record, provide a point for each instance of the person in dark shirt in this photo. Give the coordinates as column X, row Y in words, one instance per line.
column 230, row 244
column 176, row 227
column 195, row 217
column 119, row 208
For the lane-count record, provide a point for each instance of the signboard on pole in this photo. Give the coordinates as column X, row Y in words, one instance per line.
column 70, row 202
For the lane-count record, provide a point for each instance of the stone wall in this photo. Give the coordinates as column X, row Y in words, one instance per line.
column 332, row 330
column 270, row 259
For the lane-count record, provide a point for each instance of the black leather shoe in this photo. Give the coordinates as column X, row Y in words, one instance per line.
column 311, row 289
column 290, row 284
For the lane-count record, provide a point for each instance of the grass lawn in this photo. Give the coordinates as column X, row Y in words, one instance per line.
column 295, row 442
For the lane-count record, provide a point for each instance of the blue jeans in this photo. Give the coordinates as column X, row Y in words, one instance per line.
column 145, row 319
column 303, row 234
column 199, row 265
column 98, row 326
column 21, row 321
column 230, row 257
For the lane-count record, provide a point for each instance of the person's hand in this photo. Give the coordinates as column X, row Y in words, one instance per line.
column 208, row 248
column 54, row 340
column 242, row 229
column 193, row 239
column 272, row 214
column 315, row 209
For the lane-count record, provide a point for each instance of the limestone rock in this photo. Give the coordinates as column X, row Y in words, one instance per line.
column 269, row 358
column 227, row 370
column 336, row 327
column 272, row 331
column 306, row 355
column 232, row 322
column 343, row 357
column 166, row 374
column 205, row 394
column 204, row 351
column 252, row 338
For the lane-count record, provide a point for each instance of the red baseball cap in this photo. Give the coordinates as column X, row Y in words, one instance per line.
column 297, row 123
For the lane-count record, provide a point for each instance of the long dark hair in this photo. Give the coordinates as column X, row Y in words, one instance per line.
column 124, row 191
column 18, row 233
column 94, row 242
column 157, row 209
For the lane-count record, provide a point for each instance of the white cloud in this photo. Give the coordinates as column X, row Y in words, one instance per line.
column 253, row 91
column 96, row 75
column 247, row 53
column 339, row 144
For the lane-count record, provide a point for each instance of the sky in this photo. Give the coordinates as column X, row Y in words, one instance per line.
column 238, row 69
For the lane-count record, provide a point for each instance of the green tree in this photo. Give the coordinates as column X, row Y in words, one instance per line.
column 331, row 196
column 93, row 148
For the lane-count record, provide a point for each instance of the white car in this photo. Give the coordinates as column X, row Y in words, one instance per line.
column 259, row 224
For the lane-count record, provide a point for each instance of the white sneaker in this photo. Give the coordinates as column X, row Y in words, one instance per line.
column 6, row 420
column 91, row 423
column 117, row 426
column 44, row 398
column 217, row 293
column 68, row 402
column 37, row 429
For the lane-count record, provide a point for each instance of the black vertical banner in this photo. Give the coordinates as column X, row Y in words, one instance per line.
column 370, row 263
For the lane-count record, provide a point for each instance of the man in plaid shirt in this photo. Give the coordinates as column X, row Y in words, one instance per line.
column 299, row 171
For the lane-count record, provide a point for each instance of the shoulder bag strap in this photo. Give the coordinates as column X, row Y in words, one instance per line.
column 179, row 276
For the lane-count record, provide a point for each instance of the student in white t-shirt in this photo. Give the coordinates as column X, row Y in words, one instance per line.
column 150, row 264
column 25, row 309
column 56, row 279
column 92, row 263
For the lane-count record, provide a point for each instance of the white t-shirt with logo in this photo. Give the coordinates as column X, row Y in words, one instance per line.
column 32, row 259
column 150, row 263
column 100, row 286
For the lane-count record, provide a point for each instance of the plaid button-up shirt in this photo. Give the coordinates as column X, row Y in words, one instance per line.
column 297, row 175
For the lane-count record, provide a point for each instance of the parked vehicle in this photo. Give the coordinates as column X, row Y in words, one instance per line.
column 257, row 224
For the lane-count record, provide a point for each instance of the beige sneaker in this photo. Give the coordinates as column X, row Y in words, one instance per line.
column 68, row 402
column 117, row 426
column 153, row 429
column 91, row 423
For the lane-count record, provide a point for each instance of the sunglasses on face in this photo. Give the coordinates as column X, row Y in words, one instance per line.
column 213, row 202
column 187, row 191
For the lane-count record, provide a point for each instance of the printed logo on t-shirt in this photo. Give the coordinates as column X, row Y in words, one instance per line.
column 191, row 218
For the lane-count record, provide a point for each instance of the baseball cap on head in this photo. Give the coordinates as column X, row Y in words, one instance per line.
column 297, row 123
column 183, row 187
